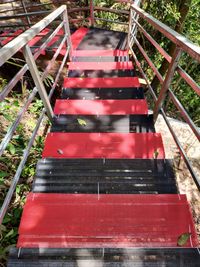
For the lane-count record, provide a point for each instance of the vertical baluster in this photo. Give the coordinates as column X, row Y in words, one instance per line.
column 166, row 84
column 37, row 80
column 92, row 12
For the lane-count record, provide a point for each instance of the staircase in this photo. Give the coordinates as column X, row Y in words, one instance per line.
column 104, row 194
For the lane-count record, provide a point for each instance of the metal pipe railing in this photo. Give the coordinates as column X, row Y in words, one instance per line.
column 167, row 81
column 91, row 8
column 22, row 15
column 182, row 44
column 94, row 18
column 25, row 11
column 37, row 80
column 149, row 61
column 6, row 90
column 178, row 39
column 16, row 178
column 21, row 43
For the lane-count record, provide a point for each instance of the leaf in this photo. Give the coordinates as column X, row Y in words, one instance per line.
column 2, row 228
column 10, row 233
column 60, row 151
column 16, row 103
column 18, row 188
column 7, row 218
column 8, row 117
column 82, row 122
column 155, row 154
column 17, row 213
column 3, row 174
column 11, row 148
column 183, row 239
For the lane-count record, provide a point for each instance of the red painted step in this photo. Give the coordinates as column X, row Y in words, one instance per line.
column 103, row 145
column 78, row 36
column 41, row 35
column 10, row 38
column 101, row 107
column 100, row 65
column 121, row 82
column 99, row 53
column 35, row 40
column 115, row 221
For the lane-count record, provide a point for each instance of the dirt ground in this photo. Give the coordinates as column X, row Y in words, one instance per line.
column 191, row 145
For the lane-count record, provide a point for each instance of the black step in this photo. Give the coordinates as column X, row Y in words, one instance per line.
column 103, row 123
column 101, row 73
column 124, row 257
column 97, row 39
column 114, row 176
column 102, row 93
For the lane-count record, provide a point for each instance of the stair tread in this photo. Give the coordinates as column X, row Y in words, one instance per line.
column 101, row 73
column 100, row 65
column 103, row 123
column 106, row 176
column 78, row 36
column 146, row 168
column 137, row 257
column 119, row 82
column 102, row 93
column 99, row 53
column 101, row 107
column 103, row 145
column 92, row 220
column 101, row 59
column 100, row 39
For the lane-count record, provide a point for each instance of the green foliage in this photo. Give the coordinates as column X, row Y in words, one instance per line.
column 36, row 106
column 164, row 10
column 9, row 162
column 168, row 12
column 191, row 29
column 111, row 16
column 3, row 82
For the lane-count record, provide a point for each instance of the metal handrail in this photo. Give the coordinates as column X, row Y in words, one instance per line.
column 178, row 39
column 21, row 43
column 91, row 8
column 15, row 45
column 182, row 45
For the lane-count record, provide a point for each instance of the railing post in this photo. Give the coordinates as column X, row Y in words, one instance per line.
column 37, row 80
column 169, row 76
column 67, row 31
column 132, row 26
column 25, row 11
column 92, row 12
